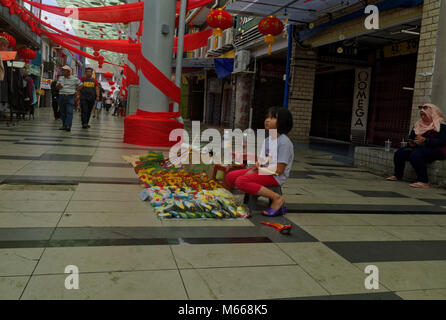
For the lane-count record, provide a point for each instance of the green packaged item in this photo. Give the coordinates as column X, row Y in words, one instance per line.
column 208, row 215
column 202, row 215
column 183, row 215
column 192, row 215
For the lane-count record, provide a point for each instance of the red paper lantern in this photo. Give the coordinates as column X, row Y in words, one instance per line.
column 108, row 75
column 26, row 54
column 96, row 53
column 119, row 31
column 6, row 3
column 219, row 20
column 100, row 61
column 113, row 88
column 46, row 18
column 85, row 32
column 100, row 29
column 64, row 22
column 102, row 35
column 111, row 82
column 270, row 27
column 10, row 39
column 82, row 26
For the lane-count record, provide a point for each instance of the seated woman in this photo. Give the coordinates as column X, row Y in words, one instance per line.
column 427, row 143
column 256, row 180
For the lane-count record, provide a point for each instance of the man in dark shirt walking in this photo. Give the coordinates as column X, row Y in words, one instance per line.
column 89, row 94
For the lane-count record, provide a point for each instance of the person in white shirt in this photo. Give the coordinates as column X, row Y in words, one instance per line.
column 67, row 85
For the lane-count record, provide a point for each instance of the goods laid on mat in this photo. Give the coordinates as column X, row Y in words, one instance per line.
column 181, row 178
column 186, row 203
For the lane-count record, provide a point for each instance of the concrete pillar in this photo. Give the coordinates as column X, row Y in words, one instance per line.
column 157, row 47
column 243, row 100
column 429, row 55
column 303, row 73
column 439, row 80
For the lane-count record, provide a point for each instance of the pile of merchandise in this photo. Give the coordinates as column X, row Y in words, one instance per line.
column 153, row 171
column 181, row 178
column 186, row 203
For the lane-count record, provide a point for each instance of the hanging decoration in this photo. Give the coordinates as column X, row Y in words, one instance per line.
column 150, row 71
column 219, row 20
column 108, row 75
column 100, row 61
column 113, row 88
column 270, row 27
column 26, row 54
column 111, row 82
column 123, row 13
column 10, row 39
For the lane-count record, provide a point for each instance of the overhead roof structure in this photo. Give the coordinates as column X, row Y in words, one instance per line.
column 297, row 11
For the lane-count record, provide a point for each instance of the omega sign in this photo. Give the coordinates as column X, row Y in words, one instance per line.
column 361, row 98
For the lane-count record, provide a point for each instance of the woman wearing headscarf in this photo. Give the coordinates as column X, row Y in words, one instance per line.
column 427, row 143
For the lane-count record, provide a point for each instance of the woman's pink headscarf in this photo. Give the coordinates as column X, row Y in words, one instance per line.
column 435, row 118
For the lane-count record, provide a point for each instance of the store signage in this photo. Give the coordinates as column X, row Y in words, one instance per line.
column 8, row 55
column 401, row 48
column 34, row 70
column 245, row 24
column 45, row 84
column 361, row 98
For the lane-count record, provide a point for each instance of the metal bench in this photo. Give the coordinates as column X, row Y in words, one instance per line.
column 251, row 200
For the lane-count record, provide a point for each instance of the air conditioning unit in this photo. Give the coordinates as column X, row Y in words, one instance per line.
column 211, row 44
column 241, row 60
column 203, row 52
column 228, row 38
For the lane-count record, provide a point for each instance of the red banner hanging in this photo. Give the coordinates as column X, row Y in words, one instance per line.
column 122, row 13
column 73, row 49
column 194, row 40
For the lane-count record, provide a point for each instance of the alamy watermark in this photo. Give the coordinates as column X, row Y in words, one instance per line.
column 235, row 146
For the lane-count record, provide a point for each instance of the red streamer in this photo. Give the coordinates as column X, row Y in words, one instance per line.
column 194, row 40
column 122, row 13
column 53, row 38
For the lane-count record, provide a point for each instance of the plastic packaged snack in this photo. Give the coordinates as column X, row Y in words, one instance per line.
column 218, row 214
column 165, row 215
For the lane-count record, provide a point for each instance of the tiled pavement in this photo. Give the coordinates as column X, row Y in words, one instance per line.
column 70, row 199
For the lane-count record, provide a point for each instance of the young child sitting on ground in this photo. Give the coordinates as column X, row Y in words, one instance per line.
column 254, row 181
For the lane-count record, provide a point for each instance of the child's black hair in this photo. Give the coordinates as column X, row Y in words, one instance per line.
column 284, row 119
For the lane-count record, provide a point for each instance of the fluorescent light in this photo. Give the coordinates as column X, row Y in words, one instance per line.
column 410, row 32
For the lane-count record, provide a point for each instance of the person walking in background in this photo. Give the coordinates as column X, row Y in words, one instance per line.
column 117, row 104
column 55, row 99
column 67, row 86
column 89, row 94
column 30, row 97
column 108, row 102
column 98, row 108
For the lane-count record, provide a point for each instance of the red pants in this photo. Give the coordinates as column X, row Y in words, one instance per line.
column 249, row 183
